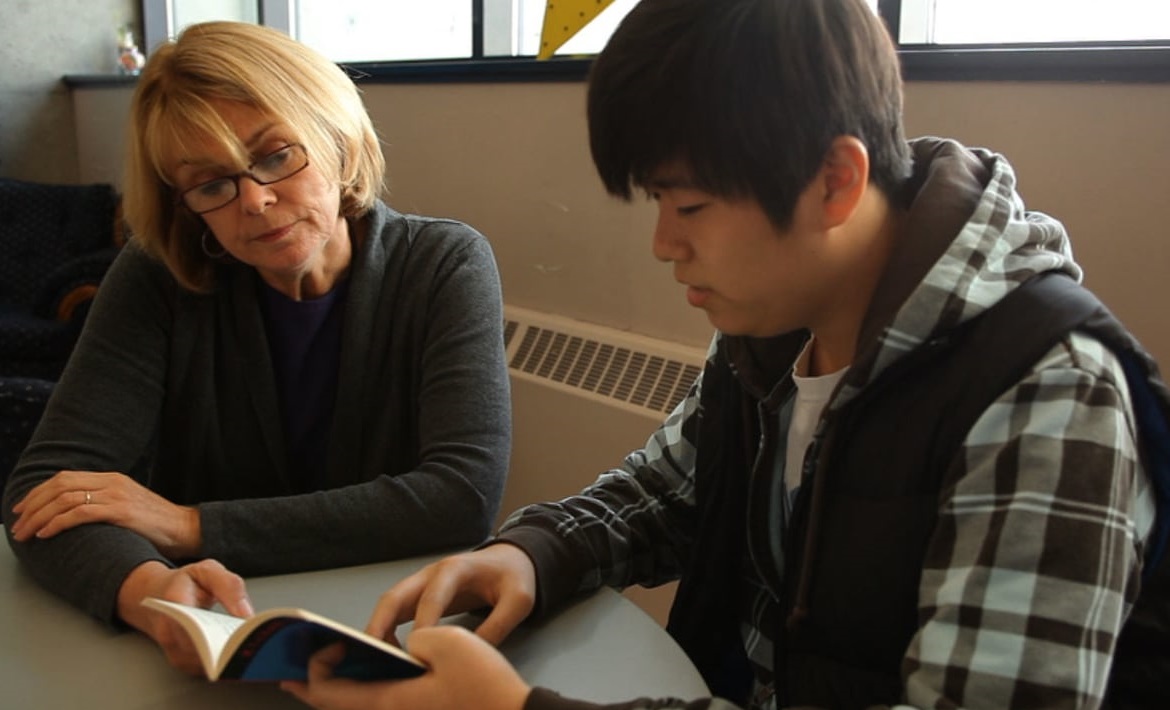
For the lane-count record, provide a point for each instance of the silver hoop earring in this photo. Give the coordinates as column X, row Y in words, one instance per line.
column 203, row 243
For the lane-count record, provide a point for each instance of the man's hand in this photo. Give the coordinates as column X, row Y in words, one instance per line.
column 72, row 498
column 500, row 576
column 465, row 672
column 200, row 584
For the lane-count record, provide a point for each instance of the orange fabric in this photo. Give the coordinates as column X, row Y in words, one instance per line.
column 73, row 299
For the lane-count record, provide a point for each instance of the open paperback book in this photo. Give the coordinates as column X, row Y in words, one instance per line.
column 276, row 644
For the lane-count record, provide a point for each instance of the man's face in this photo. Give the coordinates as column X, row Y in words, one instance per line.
column 750, row 277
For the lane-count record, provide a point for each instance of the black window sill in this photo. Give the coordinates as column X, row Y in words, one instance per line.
column 504, row 69
column 1086, row 64
column 1132, row 64
column 1090, row 64
column 78, row 81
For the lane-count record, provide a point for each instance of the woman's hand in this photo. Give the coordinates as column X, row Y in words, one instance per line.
column 500, row 576
column 200, row 584
column 72, row 498
column 465, row 672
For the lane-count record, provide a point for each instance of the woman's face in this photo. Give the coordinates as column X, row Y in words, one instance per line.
column 290, row 230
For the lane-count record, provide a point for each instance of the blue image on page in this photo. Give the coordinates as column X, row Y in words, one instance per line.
column 280, row 649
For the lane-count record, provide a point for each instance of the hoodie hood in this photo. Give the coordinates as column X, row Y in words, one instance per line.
column 967, row 243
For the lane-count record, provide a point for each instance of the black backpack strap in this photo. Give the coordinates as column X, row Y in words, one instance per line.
column 1016, row 332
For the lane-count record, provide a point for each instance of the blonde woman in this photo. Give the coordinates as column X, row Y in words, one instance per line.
column 280, row 372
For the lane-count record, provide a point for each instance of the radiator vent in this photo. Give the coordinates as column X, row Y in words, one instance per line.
column 630, row 371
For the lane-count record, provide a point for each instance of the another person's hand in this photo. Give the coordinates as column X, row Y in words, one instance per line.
column 500, row 576
column 199, row 584
column 465, row 672
column 72, row 498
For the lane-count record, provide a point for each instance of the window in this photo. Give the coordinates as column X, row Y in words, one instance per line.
column 388, row 30
column 428, row 40
column 589, row 40
column 987, row 22
column 402, row 30
column 188, row 12
column 1077, row 40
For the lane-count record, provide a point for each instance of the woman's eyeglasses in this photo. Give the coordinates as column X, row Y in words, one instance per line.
column 274, row 167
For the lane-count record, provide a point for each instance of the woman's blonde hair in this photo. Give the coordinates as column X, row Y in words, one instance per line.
column 172, row 116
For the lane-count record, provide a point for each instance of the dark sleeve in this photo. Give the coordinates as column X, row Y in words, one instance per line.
column 101, row 417
column 544, row 699
column 633, row 525
column 458, row 402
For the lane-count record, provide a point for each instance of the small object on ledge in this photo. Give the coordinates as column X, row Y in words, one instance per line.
column 130, row 59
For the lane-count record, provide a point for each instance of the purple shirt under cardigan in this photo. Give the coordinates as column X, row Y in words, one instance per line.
column 304, row 338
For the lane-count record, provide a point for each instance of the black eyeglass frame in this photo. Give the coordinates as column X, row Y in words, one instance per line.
column 181, row 197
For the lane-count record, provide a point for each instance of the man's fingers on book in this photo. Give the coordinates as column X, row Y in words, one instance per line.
column 322, row 663
column 297, row 689
column 433, row 604
column 499, row 623
column 396, row 606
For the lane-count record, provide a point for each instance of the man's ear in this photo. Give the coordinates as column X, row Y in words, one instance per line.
column 844, row 177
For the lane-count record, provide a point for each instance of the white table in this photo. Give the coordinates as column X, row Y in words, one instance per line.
column 53, row 657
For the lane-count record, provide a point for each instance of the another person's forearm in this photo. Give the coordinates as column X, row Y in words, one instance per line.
column 88, row 565
column 343, row 526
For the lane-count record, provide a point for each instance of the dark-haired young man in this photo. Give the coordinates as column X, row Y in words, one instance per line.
column 911, row 471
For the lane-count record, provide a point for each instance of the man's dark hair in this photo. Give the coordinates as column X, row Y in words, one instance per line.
column 749, row 94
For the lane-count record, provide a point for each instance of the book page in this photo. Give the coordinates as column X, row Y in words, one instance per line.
column 276, row 644
column 214, row 627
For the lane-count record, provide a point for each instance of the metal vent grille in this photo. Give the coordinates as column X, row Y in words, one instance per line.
column 510, row 328
column 597, row 361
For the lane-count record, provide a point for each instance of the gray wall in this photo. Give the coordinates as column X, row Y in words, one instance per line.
column 41, row 41
column 512, row 160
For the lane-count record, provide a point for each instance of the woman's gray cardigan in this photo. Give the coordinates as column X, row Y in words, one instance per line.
column 177, row 390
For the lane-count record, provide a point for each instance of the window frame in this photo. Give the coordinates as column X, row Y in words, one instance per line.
column 1087, row 62
column 1132, row 62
